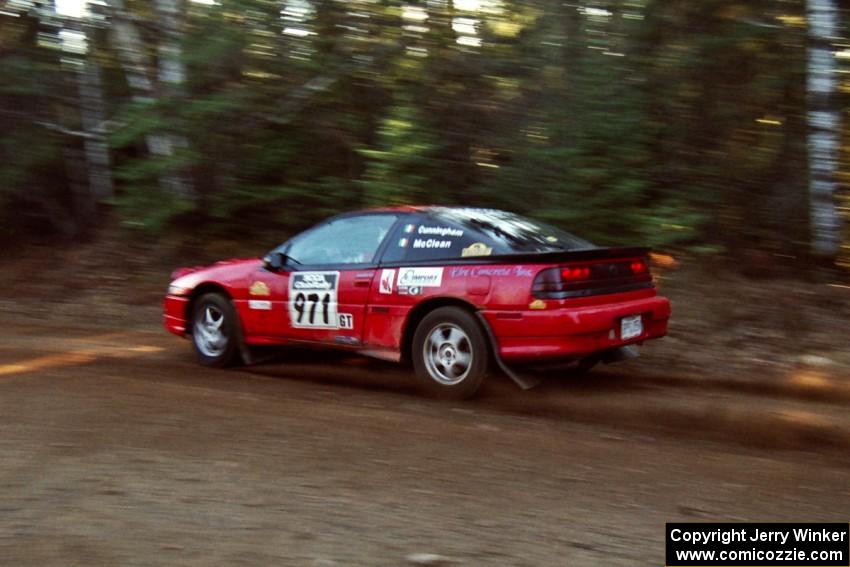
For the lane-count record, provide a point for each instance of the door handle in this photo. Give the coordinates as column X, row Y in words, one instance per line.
column 363, row 280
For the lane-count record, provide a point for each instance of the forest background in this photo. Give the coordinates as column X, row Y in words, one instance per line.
column 718, row 128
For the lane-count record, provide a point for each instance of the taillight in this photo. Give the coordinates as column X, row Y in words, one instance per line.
column 638, row 267
column 581, row 280
column 557, row 280
column 549, row 280
column 575, row 273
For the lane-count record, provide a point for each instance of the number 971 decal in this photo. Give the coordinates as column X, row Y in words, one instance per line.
column 313, row 300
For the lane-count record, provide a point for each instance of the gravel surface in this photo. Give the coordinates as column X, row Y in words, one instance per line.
column 117, row 449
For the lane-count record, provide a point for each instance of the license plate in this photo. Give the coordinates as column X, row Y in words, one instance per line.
column 631, row 327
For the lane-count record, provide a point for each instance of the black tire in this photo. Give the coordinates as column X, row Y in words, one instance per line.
column 213, row 312
column 439, row 364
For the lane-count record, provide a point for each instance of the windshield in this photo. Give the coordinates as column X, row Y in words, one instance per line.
column 517, row 233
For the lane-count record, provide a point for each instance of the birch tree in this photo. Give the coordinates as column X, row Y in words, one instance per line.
column 149, row 83
column 93, row 119
column 824, row 121
column 90, row 172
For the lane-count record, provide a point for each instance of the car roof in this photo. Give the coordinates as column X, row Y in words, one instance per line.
column 394, row 209
column 419, row 209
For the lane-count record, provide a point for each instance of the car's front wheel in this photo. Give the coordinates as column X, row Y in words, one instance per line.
column 450, row 354
column 215, row 328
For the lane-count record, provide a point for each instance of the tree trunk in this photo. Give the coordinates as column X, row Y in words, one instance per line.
column 93, row 118
column 824, row 120
column 172, row 79
column 139, row 70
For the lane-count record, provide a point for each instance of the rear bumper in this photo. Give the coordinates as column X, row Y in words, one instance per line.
column 570, row 332
column 174, row 314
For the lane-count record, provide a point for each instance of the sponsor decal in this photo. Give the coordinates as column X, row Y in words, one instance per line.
column 410, row 291
column 476, row 249
column 403, row 243
column 314, row 280
column 537, row 304
column 443, row 231
column 420, row 277
column 260, row 305
column 387, row 277
column 346, row 321
column 258, row 288
column 409, row 228
column 516, row 271
column 431, row 243
column 313, row 300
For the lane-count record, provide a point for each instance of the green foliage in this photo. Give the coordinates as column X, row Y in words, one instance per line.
column 150, row 209
column 32, row 188
column 398, row 171
column 670, row 124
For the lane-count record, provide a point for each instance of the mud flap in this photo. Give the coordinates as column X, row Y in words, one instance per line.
column 524, row 382
column 244, row 350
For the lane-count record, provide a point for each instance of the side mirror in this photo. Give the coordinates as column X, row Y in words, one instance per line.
column 274, row 261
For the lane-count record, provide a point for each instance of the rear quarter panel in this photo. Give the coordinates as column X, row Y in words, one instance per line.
column 396, row 291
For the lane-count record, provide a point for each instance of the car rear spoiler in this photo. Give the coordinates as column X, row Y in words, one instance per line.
column 555, row 257
column 583, row 255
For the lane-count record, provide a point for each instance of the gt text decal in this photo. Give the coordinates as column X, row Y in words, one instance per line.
column 313, row 300
column 346, row 321
column 387, row 277
column 420, row 277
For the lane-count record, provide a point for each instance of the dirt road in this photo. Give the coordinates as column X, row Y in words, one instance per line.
column 117, row 449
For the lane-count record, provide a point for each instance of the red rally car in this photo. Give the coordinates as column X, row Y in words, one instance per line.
column 450, row 290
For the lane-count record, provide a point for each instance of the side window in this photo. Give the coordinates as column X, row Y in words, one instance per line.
column 428, row 238
column 348, row 240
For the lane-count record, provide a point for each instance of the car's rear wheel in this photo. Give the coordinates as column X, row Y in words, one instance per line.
column 450, row 353
column 215, row 330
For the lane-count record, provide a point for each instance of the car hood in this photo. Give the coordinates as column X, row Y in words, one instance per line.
column 226, row 272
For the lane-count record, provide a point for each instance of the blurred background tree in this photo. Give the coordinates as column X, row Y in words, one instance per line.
column 720, row 126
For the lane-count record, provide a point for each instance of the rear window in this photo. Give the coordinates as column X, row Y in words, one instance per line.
column 424, row 237
column 447, row 234
column 513, row 232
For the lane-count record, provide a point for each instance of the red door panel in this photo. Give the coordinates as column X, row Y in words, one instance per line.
column 328, row 305
column 263, row 311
